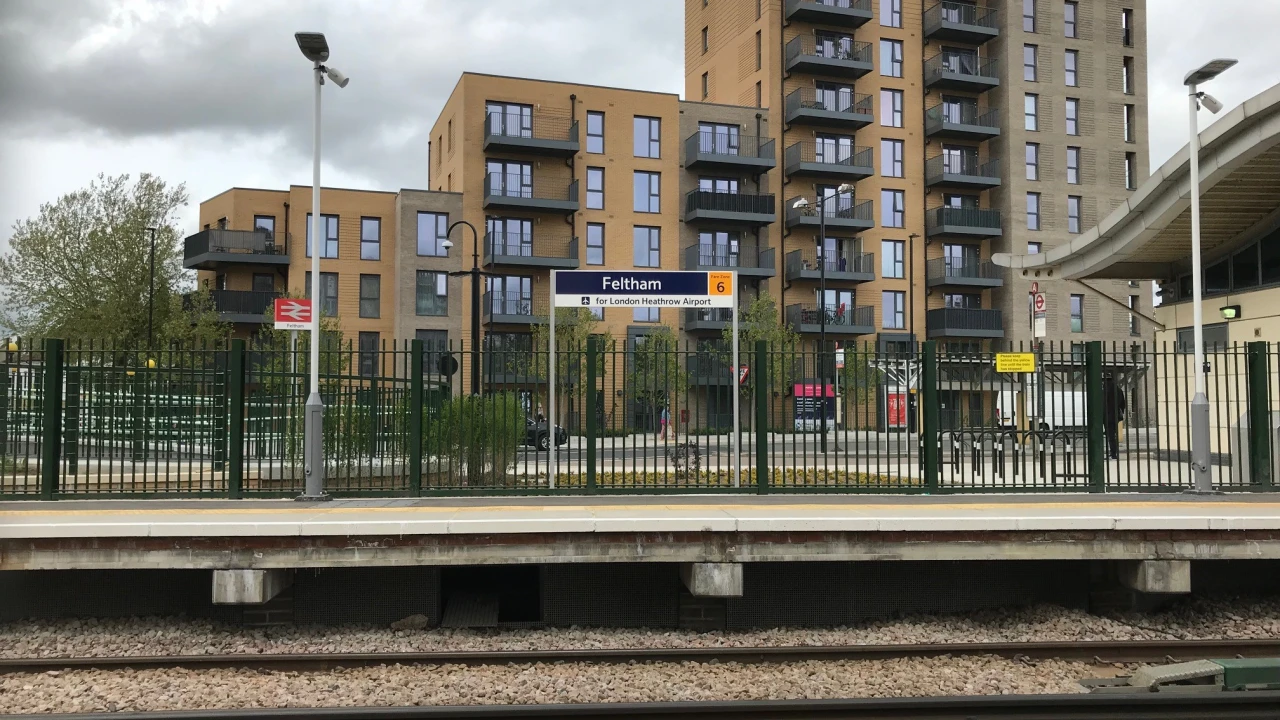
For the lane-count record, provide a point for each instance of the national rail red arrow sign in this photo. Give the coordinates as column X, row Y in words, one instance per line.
column 293, row 314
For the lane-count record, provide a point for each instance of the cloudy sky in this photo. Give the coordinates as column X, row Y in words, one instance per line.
column 214, row 93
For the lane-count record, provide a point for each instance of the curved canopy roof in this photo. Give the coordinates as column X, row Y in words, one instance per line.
column 1150, row 232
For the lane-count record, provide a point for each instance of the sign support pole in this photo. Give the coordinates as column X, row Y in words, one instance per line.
column 737, row 393
column 551, row 392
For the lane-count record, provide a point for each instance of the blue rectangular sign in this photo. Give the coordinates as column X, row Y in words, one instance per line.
column 642, row 288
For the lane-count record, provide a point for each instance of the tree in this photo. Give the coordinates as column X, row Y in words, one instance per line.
column 656, row 371
column 760, row 321
column 80, row 269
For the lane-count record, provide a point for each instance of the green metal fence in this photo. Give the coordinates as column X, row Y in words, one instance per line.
column 82, row 420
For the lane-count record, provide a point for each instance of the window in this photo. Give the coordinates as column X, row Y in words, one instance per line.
column 222, row 222
column 1029, row 63
column 1073, row 116
column 597, row 313
column 1133, row 318
column 718, row 185
column 328, row 293
column 1126, row 75
column 719, row 248
column 1073, row 213
column 892, row 316
column 891, row 58
column 1126, row 27
column 705, row 43
column 264, row 282
column 1073, row 165
column 595, row 244
column 1034, row 248
column 891, row 108
column 450, row 135
column 510, row 119
column 759, row 51
column 431, row 234
column 1244, row 268
column 434, row 344
column 1215, row 336
column 370, row 238
column 595, row 132
column 432, row 294
column 1071, row 62
column 891, row 13
column 1033, row 211
column 1269, row 258
column 706, row 85
column 595, row 188
column 645, row 314
column 329, row 228
column 1033, row 161
column 1130, row 171
column 1129, row 115
column 965, row 301
column 891, row 259
column 512, row 237
column 647, row 186
column 1029, row 16
column 1069, row 12
column 891, row 158
column 265, row 224
column 1031, row 111
column 370, row 296
column 1077, row 313
column 647, row 139
column 646, row 246
column 893, row 208
column 508, row 178
column 759, row 94
column 369, row 354
column 719, row 138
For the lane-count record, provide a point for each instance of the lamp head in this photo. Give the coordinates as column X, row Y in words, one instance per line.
column 313, row 46
column 1208, row 71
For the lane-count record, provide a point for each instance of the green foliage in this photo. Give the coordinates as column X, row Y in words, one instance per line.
column 859, row 378
column 573, row 327
column 761, row 321
column 657, row 372
column 477, row 436
column 80, row 269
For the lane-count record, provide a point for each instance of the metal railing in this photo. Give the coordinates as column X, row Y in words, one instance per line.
column 964, row 65
column 542, row 185
column 844, row 262
column 541, row 244
column 243, row 302
column 729, row 146
column 961, row 268
column 963, row 217
column 960, row 13
column 740, row 255
column 499, row 302
column 810, row 314
column 709, row 315
column 729, row 202
column 964, row 164
column 962, row 114
column 863, row 5
column 965, row 319
column 810, row 151
column 251, row 242
column 833, row 209
column 853, row 52
column 847, row 103
column 538, row 126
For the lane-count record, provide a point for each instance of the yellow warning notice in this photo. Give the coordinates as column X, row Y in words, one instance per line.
column 1015, row 362
column 720, row 283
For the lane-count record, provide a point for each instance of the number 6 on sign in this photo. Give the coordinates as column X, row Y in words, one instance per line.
column 721, row 283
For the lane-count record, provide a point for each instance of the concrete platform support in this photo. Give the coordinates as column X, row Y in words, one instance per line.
column 1165, row 577
column 248, row 587
column 712, row 579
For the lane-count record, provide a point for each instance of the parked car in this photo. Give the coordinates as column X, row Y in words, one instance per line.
column 535, row 434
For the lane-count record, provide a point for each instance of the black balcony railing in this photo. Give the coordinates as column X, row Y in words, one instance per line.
column 807, row 260
column 242, row 302
column 708, row 315
column 960, row 114
column 741, row 255
column 853, row 52
column 538, row 126
column 964, row 320
column 837, row 317
column 962, row 164
column 249, row 242
column 729, row 202
column 709, row 366
column 971, row 66
column 952, row 268
column 976, row 218
column 822, row 153
column 849, row 103
column 499, row 302
column 960, row 13
column 555, row 187
column 508, row 245
column 728, row 145
column 844, row 208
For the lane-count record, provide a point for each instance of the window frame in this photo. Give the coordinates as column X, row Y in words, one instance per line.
column 652, row 130
column 1130, row 113
column 892, row 153
column 1071, row 67
column 891, row 65
column 1029, row 20
column 893, row 107
column 1031, row 120
column 1039, row 220
column 1073, row 168
column 1034, row 247
column 368, row 356
column 331, row 243
column 897, row 208
column 593, row 137
column 365, row 243
column 653, row 246
column 892, row 9
column 654, row 194
column 598, row 193
column 329, row 279
column 1076, row 307
column 1075, row 212
column 589, row 246
column 435, row 279
column 1071, row 117
column 1030, row 62
column 442, row 220
column 1131, row 171
column 892, row 265
column 1032, row 158
column 1071, row 19
column 375, row 282
column 893, row 306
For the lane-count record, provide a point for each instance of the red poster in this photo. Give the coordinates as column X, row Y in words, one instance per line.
column 897, row 410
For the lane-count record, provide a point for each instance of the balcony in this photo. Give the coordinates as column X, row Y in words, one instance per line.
column 543, row 249
column 964, row 122
column 240, row 306
column 838, row 13
column 964, row 323
column 538, row 135
column 735, row 208
column 960, row 22
column 829, row 160
column 845, row 321
column 705, row 150
column 747, row 259
column 961, row 171
column 707, row 319
column 843, row 217
column 847, row 111
column 962, row 272
column 969, row 73
column 838, row 59
column 213, row 249
column 503, row 308
column 709, row 369
column 847, row 268
column 549, row 192
column 973, row 223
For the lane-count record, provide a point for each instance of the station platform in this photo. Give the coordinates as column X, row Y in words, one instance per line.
column 271, row 534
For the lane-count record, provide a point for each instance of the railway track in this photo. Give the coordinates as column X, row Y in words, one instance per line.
column 1147, row 651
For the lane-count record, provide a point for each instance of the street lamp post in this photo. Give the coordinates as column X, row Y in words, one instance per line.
column 1200, row 401
column 822, row 307
column 475, row 297
column 316, row 49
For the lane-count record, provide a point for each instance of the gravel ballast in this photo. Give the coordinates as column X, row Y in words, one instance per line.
column 1194, row 620
column 99, row 691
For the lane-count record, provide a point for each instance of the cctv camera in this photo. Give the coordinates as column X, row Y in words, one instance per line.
column 1210, row 103
column 341, row 80
column 446, row 244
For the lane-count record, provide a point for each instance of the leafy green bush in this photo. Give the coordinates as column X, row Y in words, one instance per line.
column 477, row 436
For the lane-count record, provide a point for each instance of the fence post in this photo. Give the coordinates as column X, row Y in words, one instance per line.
column 235, row 411
column 929, row 431
column 593, row 356
column 1259, row 416
column 51, row 423
column 1096, row 414
column 415, row 416
column 763, row 387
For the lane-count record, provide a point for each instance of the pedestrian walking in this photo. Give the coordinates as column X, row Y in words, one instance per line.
column 663, row 420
